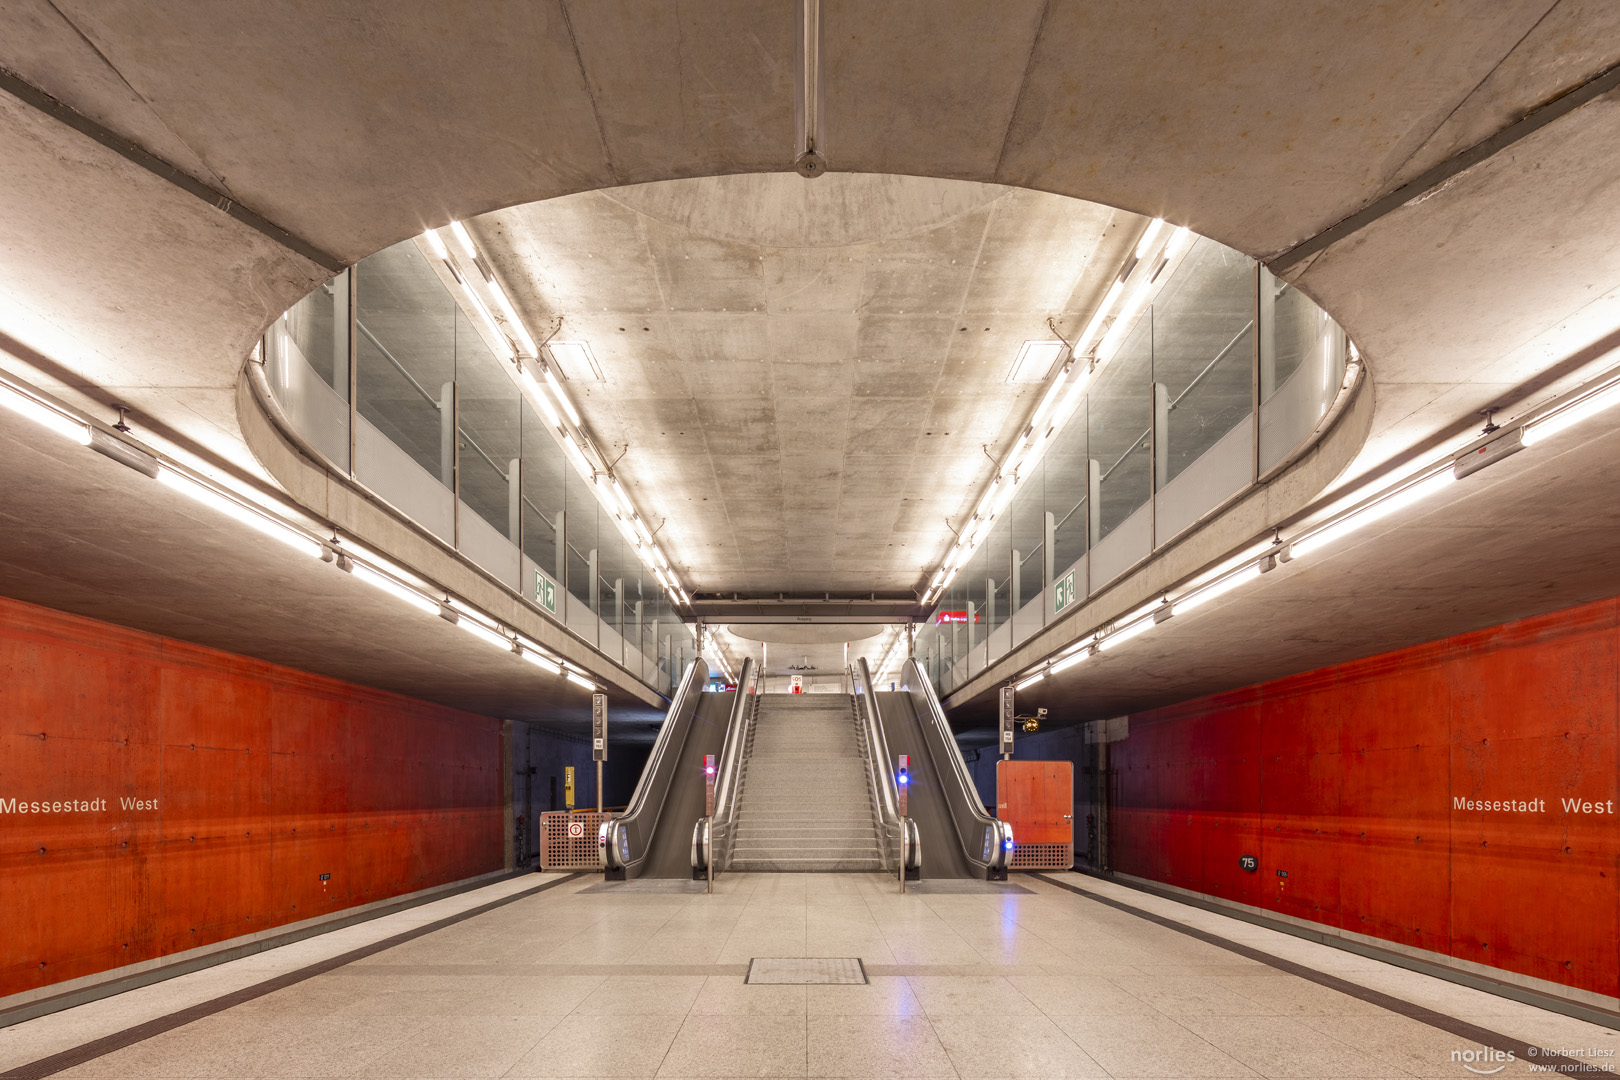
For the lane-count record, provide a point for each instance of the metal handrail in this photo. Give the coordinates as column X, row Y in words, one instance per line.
column 713, row 836
column 622, row 842
column 986, row 841
column 1228, row 347
column 879, row 765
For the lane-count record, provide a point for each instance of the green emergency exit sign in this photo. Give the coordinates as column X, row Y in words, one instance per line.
column 1063, row 592
column 545, row 592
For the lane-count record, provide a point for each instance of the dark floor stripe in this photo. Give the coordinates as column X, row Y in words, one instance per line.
column 118, row 1040
column 1450, row 1024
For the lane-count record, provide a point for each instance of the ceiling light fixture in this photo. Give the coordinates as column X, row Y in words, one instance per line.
column 397, row 589
column 1141, row 275
column 1569, row 415
column 233, row 506
column 463, row 241
column 40, row 413
column 1404, row 496
column 513, row 339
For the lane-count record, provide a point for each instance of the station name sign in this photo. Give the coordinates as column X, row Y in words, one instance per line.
column 1533, row 806
column 71, row 806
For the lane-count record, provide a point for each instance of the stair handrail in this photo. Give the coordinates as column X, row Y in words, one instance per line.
column 986, row 841
column 622, row 842
column 879, row 766
column 714, row 836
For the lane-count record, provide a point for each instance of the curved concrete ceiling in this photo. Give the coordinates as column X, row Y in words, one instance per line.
column 1258, row 125
column 805, row 378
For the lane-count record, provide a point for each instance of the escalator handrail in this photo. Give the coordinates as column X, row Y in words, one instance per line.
column 641, row 814
column 729, row 773
column 883, row 762
column 975, row 829
column 880, row 766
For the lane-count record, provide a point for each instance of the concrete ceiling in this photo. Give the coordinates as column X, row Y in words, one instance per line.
column 805, row 376
column 1259, row 125
column 1532, row 533
column 84, row 534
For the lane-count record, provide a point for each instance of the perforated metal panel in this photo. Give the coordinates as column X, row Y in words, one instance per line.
column 1042, row 857
column 568, row 840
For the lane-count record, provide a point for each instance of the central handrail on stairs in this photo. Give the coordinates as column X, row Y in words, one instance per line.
column 622, row 842
column 713, row 837
column 987, row 842
column 901, row 847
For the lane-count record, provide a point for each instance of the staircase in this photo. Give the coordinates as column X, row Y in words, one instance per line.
column 805, row 804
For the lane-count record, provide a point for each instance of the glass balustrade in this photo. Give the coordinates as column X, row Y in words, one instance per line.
column 382, row 359
column 1166, row 434
column 1216, row 383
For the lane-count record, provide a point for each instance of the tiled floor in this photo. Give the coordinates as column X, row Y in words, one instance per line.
column 640, row 984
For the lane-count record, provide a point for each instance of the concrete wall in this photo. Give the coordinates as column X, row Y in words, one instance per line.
column 191, row 796
column 1356, row 788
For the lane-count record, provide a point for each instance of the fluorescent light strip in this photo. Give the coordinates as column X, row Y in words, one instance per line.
column 240, row 510
column 1124, row 634
column 611, row 495
column 1031, row 681
column 1396, row 500
column 562, row 398
column 540, row 661
column 1215, row 588
column 484, row 633
column 463, row 241
column 46, row 416
column 400, row 591
column 1066, row 664
column 1571, row 414
column 578, row 681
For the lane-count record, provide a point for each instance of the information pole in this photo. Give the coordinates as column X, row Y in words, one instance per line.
column 1006, row 722
column 599, row 740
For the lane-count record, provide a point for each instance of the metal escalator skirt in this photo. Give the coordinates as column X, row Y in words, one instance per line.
column 623, row 841
column 983, row 838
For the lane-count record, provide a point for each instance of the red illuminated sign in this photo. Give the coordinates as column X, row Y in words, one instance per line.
column 954, row 616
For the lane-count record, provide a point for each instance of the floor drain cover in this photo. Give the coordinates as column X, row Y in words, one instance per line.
column 799, row 970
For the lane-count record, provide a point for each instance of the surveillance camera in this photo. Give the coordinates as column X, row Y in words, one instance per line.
column 1040, row 712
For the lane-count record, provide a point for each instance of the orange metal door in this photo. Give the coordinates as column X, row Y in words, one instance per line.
column 1037, row 799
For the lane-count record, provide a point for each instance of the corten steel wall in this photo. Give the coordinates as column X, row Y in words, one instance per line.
column 1345, row 779
column 264, row 778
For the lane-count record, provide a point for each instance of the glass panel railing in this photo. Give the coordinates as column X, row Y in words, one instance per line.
column 1118, row 418
column 442, row 432
column 1203, row 345
column 1170, row 418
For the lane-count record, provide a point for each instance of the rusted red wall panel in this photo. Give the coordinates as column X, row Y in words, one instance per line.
column 1345, row 778
column 265, row 778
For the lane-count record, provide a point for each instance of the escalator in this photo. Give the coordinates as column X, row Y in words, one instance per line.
column 653, row 837
column 958, row 839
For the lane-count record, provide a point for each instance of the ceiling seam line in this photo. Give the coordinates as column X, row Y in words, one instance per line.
column 590, row 92
column 105, row 59
column 42, row 102
column 1476, row 87
column 1439, row 175
column 1023, row 86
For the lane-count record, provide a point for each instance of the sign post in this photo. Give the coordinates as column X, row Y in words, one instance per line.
column 1006, row 723
column 599, row 740
column 568, row 787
